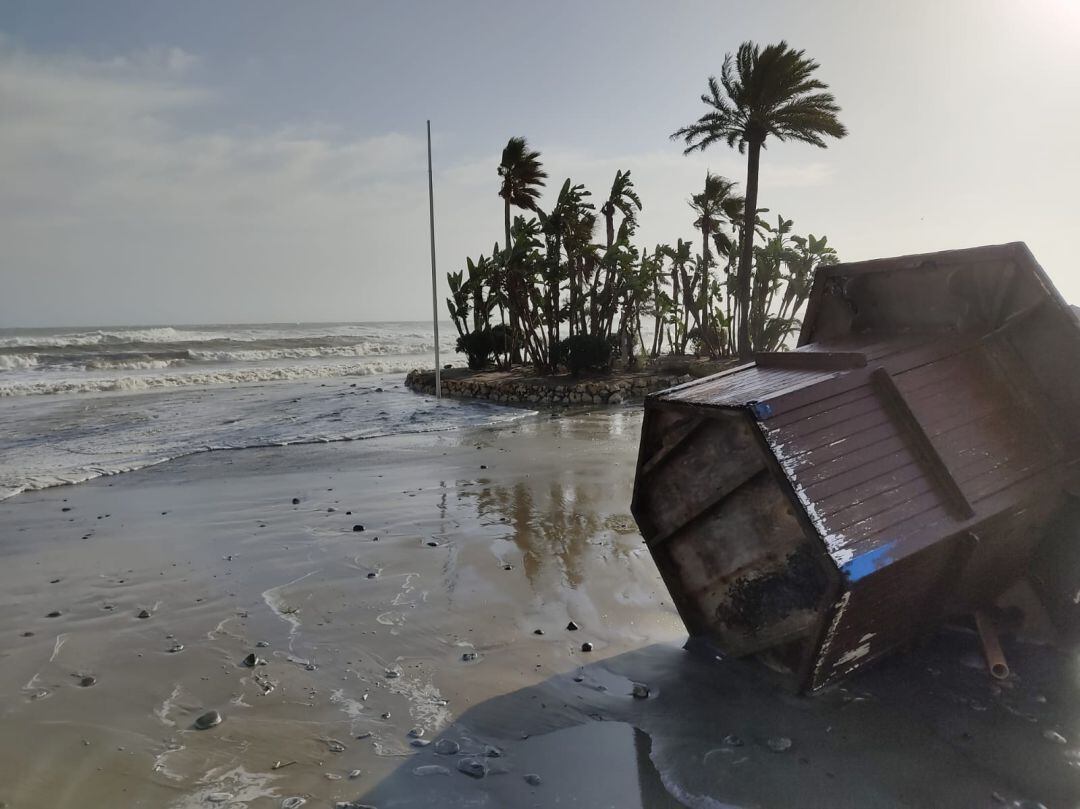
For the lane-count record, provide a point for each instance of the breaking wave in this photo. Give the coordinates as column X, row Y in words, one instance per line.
column 228, row 376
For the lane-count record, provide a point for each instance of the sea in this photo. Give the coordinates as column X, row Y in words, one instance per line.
column 79, row 403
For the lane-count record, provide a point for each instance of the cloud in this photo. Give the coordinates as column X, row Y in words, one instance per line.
column 115, row 208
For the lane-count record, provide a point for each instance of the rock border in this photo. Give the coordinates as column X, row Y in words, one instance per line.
column 509, row 388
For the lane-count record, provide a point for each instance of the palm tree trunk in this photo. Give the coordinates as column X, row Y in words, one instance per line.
column 746, row 256
column 515, row 326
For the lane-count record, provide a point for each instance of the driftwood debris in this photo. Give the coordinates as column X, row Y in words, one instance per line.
column 904, row 465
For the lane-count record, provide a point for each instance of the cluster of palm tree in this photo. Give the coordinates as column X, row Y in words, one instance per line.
column 552, row 295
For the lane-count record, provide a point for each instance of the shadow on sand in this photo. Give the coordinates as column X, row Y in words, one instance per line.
column 922, row 729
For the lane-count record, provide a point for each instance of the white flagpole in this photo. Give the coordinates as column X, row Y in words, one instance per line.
column 434, row 283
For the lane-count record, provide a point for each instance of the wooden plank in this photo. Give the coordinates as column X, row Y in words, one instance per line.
column 811, row 360
column 669, row 445
column 740, row 477
column 923, row 446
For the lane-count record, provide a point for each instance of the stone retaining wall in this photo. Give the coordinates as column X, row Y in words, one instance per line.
column 616, row 390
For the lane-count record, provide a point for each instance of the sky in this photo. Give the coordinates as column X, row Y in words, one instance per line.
column 206, row 162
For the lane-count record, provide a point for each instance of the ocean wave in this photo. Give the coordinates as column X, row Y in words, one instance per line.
column 364, row 349
column 17, row 362
column 197, row 378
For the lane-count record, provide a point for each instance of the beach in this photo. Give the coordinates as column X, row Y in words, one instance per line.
column 410, row 596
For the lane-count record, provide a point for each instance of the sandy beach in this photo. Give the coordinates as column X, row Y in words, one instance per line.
column 435, row 641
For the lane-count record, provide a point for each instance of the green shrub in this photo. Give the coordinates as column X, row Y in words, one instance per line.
column 477, row 346
column 586, row 352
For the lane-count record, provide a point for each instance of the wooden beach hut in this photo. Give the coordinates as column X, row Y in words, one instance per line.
column 819, row 507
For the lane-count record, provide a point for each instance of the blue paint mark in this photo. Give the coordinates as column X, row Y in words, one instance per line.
column 761, row 410
column 862, row 566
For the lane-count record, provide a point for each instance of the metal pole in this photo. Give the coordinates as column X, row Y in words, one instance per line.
column 434, row 283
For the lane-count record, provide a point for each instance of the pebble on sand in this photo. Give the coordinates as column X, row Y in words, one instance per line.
column 296, row 501
column 472, row 767
column 86, row 681
column 779, row 744
column 532, row 779
column 1055, row 737
column 253, row 660
column 176, row 647
column 430, row 769
column 538, row 632
column 208, row 720
column 468, row 657
column 447, row 747
column 586, row 647
column 143, row 614
column 416, row 733
column 572, row 627
column 358, row 527
column 640, row 691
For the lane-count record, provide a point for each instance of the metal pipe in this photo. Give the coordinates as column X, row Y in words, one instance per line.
column 995, row 658
column 434, row 282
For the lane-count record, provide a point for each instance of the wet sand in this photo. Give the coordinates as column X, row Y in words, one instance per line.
column 426, row 621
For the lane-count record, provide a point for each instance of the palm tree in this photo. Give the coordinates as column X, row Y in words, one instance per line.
column 522, row 176
column 761, row 92
column 623, row 198
column 714, row 204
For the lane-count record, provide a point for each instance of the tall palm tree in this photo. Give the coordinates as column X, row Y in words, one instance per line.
column 522, row 178
column 622, row 198
column 761, row 92
column 716, row 203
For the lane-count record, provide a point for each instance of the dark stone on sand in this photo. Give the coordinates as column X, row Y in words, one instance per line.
column 331, row 510
column 472, row 767
column 467, row 657
column 416, row 733
column 586, row 647
column 532, row 779
column 54, row 581
column 491, row 751
column 348, row 513
column 433, row 544
column 208, row 720
column 176, row 647
column 483, row 466
column 334, row 746
column 143, row 614
column 66, row 508
column 53, row 614
column 296, row 501
column 358, row 527
column 262, row 644
column 731, row 740
column 779, row 744
column 87, row 681
column 572, row 627
column 538, row 632
column 420, row 742
column 508, row 567
column 640, row 691
column 378, row 390
column 253, row 660
column 430, row 769
column 447, row 747
column 372, row 575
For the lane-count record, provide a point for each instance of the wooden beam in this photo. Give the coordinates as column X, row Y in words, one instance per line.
column 669, row 446
column 725, row 490
column 811, row 360
column 912, row 428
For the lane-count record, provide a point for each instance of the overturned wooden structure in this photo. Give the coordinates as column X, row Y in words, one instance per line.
column 819, row 507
